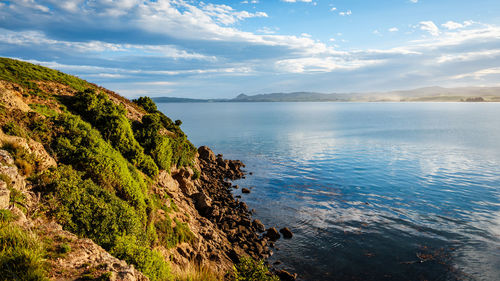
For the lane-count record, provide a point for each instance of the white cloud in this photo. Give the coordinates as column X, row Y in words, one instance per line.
column 295, row 1
column 35, row 38
column 451, row 25
column 430, row 27
column 346, row 13
column 414, row 1
column 393, row 29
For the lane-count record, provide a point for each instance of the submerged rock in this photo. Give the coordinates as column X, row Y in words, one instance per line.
column 272, row 234
column 287, row 233
column 286, row 276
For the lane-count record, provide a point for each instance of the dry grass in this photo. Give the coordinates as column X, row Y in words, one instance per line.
column 196, row 273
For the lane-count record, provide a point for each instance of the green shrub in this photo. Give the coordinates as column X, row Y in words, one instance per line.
column 149, row 262
column 155, row 144
column 79, row 145
column 183, row 152
column 21, row 255
column 250, row 270
column 110, row 119
column 147, row 103
column 86, row 209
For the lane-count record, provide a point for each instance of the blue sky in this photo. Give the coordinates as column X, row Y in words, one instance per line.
column 206, row 49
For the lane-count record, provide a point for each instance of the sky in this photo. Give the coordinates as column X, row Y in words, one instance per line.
column 219, row 49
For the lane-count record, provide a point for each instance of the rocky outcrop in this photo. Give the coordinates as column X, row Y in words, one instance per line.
column 43, row 159
column 11, row 96
column 84, row 258
column 10, row 173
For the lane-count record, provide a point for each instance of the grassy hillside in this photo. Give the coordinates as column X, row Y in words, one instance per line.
column 101, row 188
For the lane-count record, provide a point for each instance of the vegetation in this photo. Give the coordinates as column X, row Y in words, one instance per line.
column 24, row 74
column 110, row 119
column 21, row 255
column 172, row 149
column 250, row 270
column 100, row 188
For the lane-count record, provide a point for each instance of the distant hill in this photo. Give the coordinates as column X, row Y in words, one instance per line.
column 428, row 94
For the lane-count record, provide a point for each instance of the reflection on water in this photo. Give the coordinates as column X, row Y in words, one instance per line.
column 392, row 191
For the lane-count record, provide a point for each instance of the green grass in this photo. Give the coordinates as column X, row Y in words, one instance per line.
column 21, row 255
column 23, row 73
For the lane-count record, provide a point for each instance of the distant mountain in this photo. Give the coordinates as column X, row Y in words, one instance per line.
column 429, row 94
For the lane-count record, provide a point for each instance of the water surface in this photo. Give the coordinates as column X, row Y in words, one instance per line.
column 372, row 191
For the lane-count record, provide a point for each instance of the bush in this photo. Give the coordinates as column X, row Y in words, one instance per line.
column 79, row 145
column 155, row 126
column 86, row 209
column 21, row 255
column 155, row 144
column 147, row 103
column 110, row 119
column 149, row 262
column 250, row 270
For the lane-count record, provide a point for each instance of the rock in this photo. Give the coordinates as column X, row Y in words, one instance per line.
column 202, row 203
column 287, row 233
column 206, row 154
column 259, row 226
column 186, row 185
column 4, row 195
column 286, row 276
column 245, row 190
column 272, row 234
column 222, row 163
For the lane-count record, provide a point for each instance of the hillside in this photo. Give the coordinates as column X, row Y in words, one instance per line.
column 96, row 187
column 429, row 94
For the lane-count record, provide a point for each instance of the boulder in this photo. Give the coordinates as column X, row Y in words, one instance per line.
column 259, row 226
column 202, row 203
column 245, row 190
column 272, row 234
column 287, row 233
column 286, row 276
column 206, row 154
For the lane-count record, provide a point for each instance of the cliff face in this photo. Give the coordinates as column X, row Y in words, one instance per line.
column 109, row 189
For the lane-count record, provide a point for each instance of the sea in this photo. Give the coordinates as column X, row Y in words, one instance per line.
column 371, row 191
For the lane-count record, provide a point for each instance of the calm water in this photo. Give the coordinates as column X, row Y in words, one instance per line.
column 372, row 191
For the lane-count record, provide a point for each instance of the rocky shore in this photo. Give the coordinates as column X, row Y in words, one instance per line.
column 247, row 236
